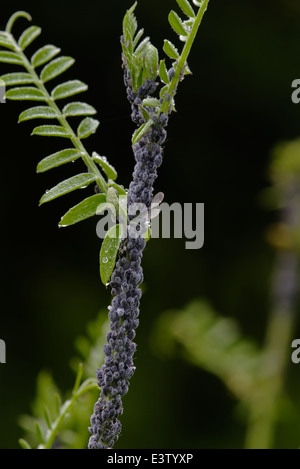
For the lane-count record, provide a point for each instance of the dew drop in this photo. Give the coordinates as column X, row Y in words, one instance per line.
column 105, row 260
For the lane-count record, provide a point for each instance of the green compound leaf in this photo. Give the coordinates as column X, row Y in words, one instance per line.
column 170, row 50
column 177, row 24
column 10, row 58
column 28, row 36
column 87, row 127
column 67, row 89
column 141, row 131
column 38, row 112
column 163, row 73
column 85, row 209
column 43, row 55
column 25, row 93
column 78, row 109
column 56, row 67
column 76, row 182
column 51, row 131
column 109, row 170
column 17, row 78
column 109, row 251
column 57, row 159
column 186, row 7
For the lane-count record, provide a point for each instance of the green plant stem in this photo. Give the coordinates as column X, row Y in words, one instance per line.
column 183, row 58
column 265, row 400
column 66, row 408
column 61, row 119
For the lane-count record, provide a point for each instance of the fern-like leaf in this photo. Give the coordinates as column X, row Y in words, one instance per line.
column 53, row 66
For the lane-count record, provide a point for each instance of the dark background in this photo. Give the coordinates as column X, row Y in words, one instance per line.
column 230, row 113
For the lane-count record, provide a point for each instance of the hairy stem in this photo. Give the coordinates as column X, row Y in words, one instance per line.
column 66, row 409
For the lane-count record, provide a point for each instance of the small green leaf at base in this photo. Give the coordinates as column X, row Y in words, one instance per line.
column 109, row 251
column 85, row 209
column 76, row 182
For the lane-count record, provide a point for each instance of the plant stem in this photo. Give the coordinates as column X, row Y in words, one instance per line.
column 265, row 401
column 61, row 119
column 66, row 408
column 183, row 58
